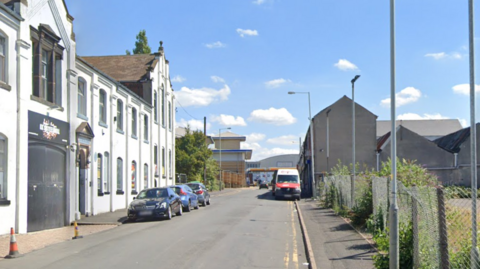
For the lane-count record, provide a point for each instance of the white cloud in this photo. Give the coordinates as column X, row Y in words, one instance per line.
column 286, row 140
column 464, row 89
column 215, row 45
column 178, row 78
column 443, row 55
column 260, row 153
column 413, row 116
column 272, row 116
column 228, row 120
column 436, row 56
column 255, row 137
column 194, row 124
column 345, row 65
column 276, row 83
column 217, row 79
column 404, row 97
column 202, row 96
column 258, row 2
column 246, row 32
column 464, row 123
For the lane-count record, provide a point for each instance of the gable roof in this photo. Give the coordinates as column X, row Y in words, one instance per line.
column 343, row 99
column 422, row 127
column 230, row 135
column 124, row 67
column 453, row 141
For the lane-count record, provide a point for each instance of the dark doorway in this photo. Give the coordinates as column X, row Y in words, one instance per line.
column 82, row 181
column 46, row 187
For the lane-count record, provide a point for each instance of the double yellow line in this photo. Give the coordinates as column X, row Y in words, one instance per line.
column 294, row 256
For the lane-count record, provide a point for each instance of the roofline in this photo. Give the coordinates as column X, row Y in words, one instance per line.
column 134, row 95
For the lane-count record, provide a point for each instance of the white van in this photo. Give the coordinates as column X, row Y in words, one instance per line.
column 286, row 184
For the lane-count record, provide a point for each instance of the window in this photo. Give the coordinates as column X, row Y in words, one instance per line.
column 82, row 97
column 155, row 159
column 163, row 106
column 119, row 176
column 145, row 176
column 145, row 128
column 119, row 115
column 106, row 169
column 134, row 177
column 163, row 161
column 3, row 168
column 3, row 62
column 170, row 163
column 169, row 115
column 99, row 175
column 102, row 107
column 47, row 54
column 155, row 107
column 134, row 122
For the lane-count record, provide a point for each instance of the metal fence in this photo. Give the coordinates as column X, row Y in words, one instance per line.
column 439, row 219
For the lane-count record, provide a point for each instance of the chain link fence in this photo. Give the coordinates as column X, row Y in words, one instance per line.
column 435, row 223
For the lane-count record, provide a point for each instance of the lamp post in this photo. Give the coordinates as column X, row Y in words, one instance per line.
column 328, row 141
column 311, row 142
column 220, row 152
column 353, row 141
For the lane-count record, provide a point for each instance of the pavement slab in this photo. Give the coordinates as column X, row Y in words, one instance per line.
column 334, row 242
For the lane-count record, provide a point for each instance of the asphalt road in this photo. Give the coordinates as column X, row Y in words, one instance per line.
column 244, row 228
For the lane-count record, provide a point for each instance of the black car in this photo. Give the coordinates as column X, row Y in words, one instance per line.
column 155, row 203
column 201, row 191
column 262, row 184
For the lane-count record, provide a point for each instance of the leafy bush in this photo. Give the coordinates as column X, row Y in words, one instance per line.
column 409, row 173
column 381, row 260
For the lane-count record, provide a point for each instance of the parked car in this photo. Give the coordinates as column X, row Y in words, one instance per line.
column 187, row 196
column 155, row 203
column 263, row 184
column 201, row 191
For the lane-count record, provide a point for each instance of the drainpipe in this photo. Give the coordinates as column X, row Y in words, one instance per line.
column 110, row 155
column 455, row 160
column 92, row 151
column 127, row 139
column 378, row 161
column 18, row 149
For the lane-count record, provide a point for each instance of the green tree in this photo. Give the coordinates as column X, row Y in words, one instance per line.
column 191, row 153
column 141, row 45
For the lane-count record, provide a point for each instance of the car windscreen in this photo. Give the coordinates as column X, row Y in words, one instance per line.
column 194, row 186
column 177, row 190
column 152, row 194
column 287, row 179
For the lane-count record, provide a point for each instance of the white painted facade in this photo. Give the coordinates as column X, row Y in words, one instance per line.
column 109, row 144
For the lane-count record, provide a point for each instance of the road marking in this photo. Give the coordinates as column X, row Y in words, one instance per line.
column 287, row 247
column 294, row 229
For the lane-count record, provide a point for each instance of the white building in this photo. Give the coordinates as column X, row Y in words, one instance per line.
column 76, row 138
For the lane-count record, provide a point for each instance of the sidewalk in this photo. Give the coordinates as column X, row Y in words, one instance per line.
column 334, row 242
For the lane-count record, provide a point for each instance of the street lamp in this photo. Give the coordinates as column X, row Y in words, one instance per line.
column 311, row 142
column 353, row 140
column 328, row 140
column 220, row 152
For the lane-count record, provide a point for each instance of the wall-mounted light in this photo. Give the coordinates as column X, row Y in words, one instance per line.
column 72, row 147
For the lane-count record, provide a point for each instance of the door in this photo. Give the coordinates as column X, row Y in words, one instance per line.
column 82, row 181
column 46, row 187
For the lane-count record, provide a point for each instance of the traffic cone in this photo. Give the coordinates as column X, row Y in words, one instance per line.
column 76, row 234
column 13, row 247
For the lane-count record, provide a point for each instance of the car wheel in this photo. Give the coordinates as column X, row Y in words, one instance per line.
column 180, row 211
column 208, row 201
column 131, row 219
column 169, row 213
column 187, row 209
column 204, row 202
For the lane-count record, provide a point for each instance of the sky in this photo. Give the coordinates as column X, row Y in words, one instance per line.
column 234, row 61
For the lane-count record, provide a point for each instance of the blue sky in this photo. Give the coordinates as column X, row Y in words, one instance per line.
column 233, row 61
